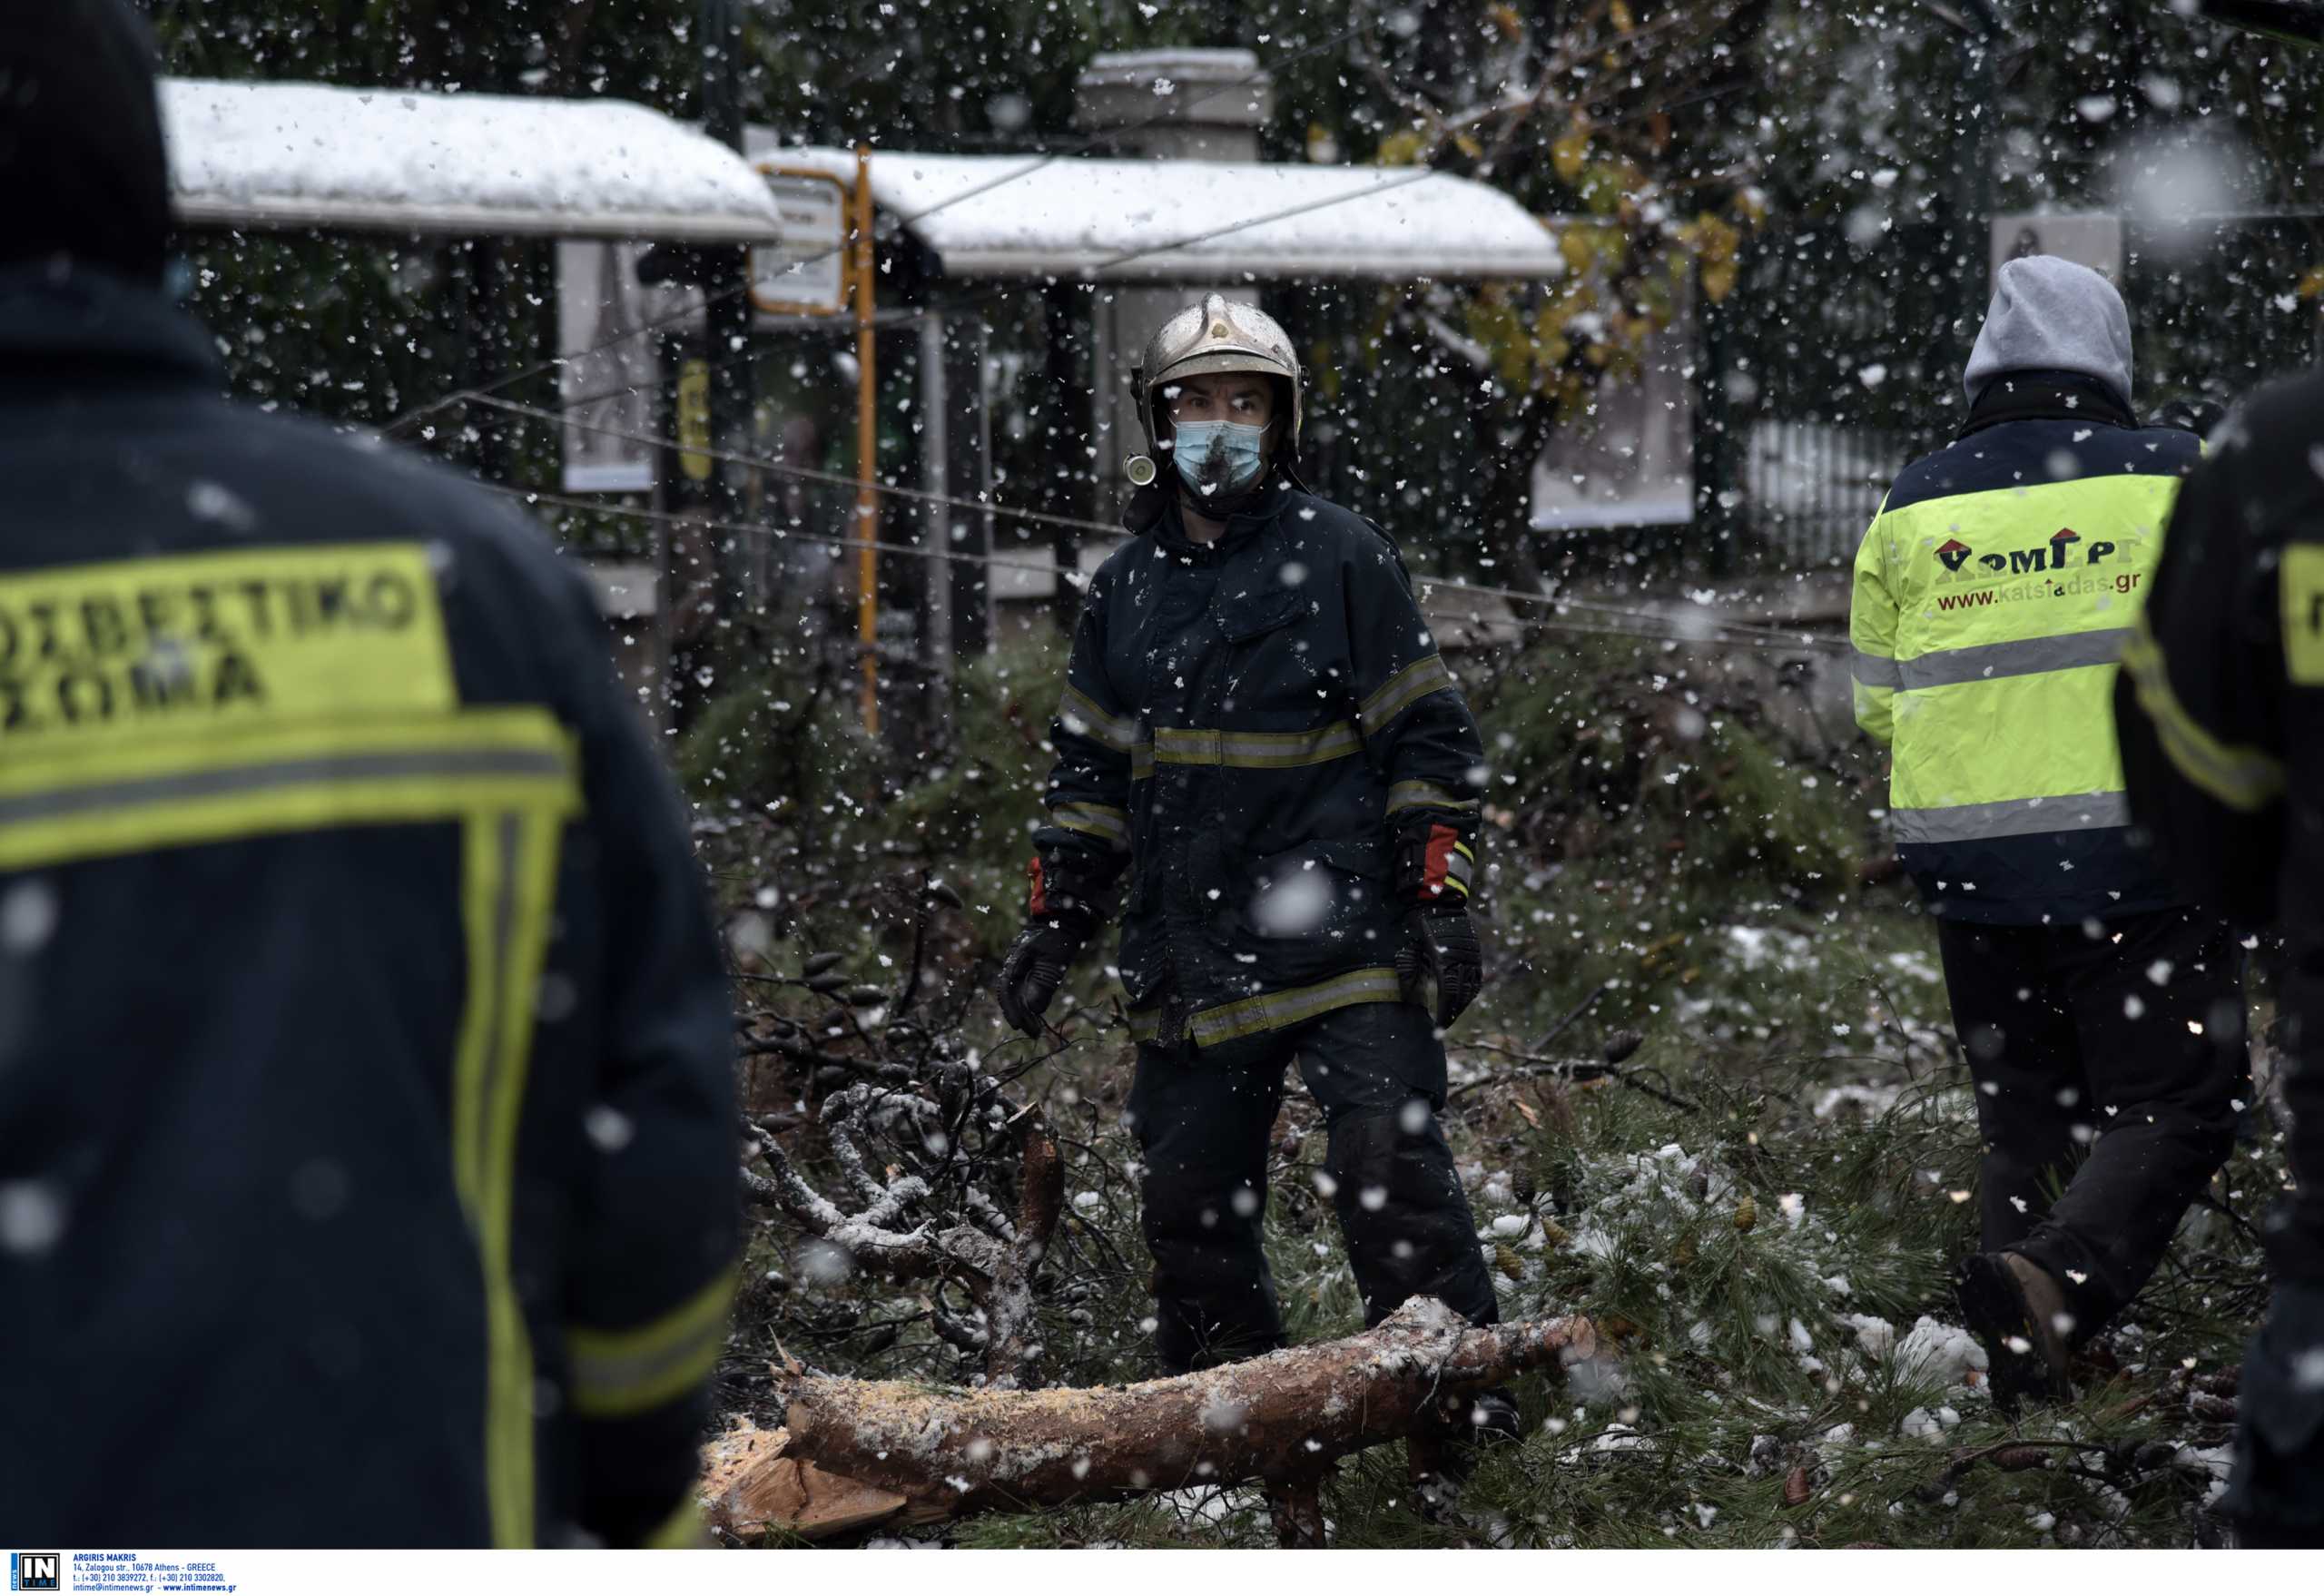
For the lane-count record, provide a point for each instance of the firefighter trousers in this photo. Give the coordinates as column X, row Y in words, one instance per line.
column 2276, row 1495
column 1203, row 1120
column 2110, row 1067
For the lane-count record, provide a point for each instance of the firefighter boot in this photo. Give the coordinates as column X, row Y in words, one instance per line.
column 2019, row 1312
column 1443, row 1451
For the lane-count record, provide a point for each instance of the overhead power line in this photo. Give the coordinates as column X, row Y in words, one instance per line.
column 1720, row 632
column 1175, row 110
column 840, row 545
column 992, row 295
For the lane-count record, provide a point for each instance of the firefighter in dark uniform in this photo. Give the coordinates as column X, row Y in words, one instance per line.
column 1258, row 731
column 367, row 1173
column 2222, row 719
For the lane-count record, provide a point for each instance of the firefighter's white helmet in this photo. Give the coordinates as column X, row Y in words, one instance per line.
column 1219, row 335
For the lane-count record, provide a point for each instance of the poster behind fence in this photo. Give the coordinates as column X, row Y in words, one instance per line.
column 612, row 371
column 1633, row 464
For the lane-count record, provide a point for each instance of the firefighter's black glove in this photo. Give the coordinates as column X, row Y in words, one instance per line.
column 1036, row 966
column 1440, row 966
column 1067, row 905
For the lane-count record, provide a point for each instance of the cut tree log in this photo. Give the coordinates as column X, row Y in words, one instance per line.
column 1282, row 1419
column 750, row 1486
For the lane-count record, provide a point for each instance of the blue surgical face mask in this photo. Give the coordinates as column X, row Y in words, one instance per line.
column 1218, row 457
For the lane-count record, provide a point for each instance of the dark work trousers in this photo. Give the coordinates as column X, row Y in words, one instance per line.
column 2277, row 1493
column 2109, row 1070
column 1203, row 1120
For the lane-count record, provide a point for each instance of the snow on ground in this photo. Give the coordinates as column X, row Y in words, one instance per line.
column 1875, row 1100
column 1758, row 947
column 1935, row 1353
column 1914, row 966
column 1876, row 1336
column 1211, row 1504
column 1920, row 1424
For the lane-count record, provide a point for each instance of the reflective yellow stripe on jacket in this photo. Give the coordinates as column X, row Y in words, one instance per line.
column 508, row 778
column 2249, row 779
column 620, row 1371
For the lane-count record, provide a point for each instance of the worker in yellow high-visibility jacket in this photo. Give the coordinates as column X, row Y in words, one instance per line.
column 2102, row 1017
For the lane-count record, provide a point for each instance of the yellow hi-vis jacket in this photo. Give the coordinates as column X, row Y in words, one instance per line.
column 1993, row 593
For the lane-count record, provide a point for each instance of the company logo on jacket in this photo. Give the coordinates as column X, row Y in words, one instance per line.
column 2026, row 561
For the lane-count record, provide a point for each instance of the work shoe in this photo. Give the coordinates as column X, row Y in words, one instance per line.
column 2013, row 1306
column 1441, row 1457
column 1492, row 1415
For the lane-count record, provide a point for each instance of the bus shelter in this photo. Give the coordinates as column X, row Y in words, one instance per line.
column 401, row 165
column 1001, row 273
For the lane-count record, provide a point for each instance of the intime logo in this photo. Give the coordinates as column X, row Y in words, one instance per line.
column 34, row 1570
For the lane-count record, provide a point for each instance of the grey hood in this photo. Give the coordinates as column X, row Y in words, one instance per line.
column 2051, row 315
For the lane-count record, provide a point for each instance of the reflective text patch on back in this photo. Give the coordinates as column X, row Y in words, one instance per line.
column 2300, row 584
column 200, row 643
column 157, row 704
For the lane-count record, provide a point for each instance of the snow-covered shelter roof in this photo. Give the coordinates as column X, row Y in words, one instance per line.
column 1200, row 221
column 275, row 155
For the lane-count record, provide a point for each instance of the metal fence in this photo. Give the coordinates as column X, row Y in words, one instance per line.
column 1824, row 366
column 1838, row 360
column 1813, row 487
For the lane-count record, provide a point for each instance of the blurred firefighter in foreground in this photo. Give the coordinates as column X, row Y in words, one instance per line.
column 366, row 1150
column 2221, row 712
column 2102, row 1018
column 1258, row 729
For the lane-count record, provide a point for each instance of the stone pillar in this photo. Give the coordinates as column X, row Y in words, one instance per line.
column 1175, row 105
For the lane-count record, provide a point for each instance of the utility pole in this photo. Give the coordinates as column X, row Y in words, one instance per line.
column 867, row 445
column 726, row 313
column 707, row 395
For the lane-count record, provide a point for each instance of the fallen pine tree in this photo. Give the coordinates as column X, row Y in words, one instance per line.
column 985, row 1251
column 855, row 1452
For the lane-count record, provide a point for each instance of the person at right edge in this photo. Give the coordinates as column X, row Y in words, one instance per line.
column 1258, row 729
column 2222, row 719
column 2102, row 1016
